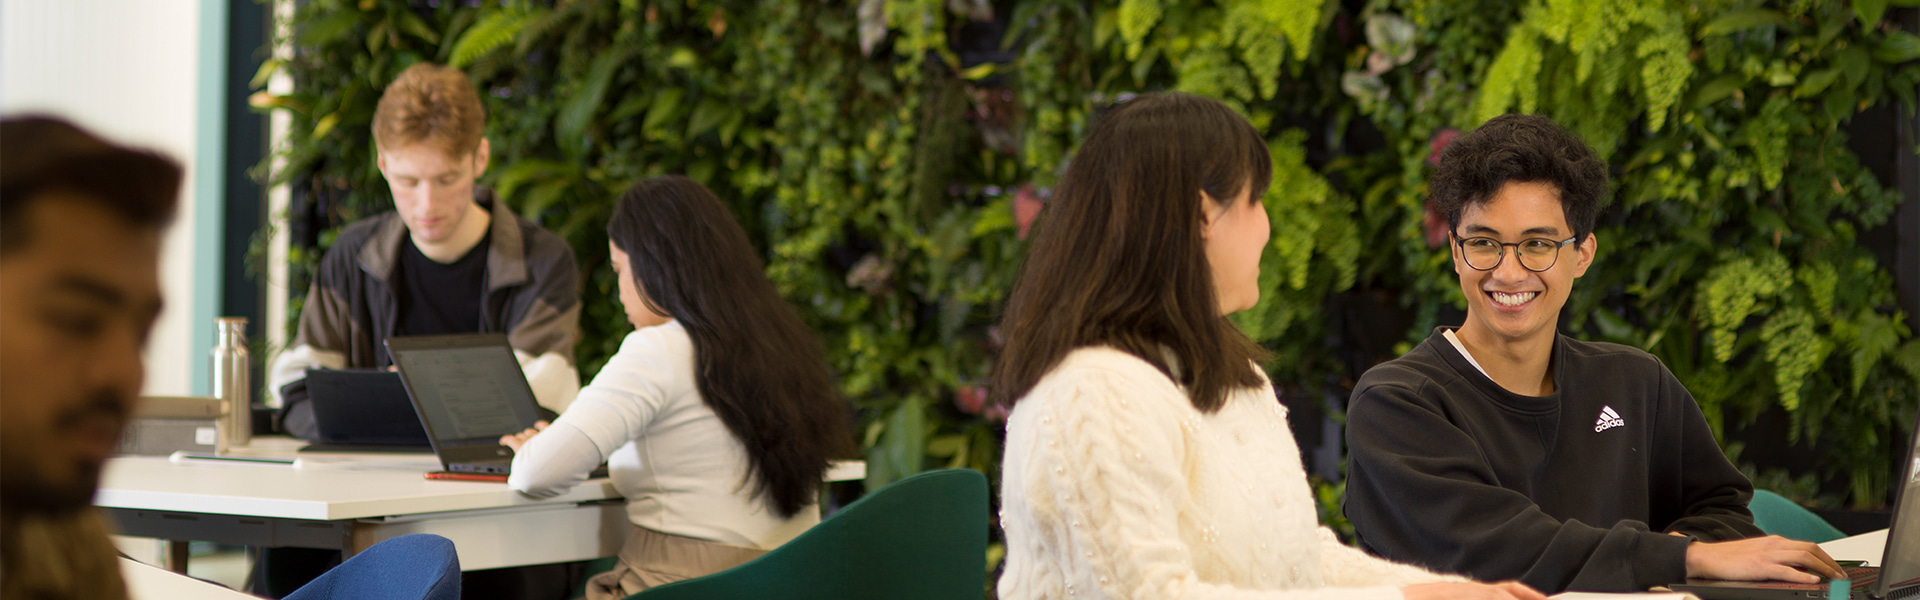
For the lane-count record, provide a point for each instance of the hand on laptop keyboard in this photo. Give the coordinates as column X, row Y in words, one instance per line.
column 516, row 440
column 1763, row 558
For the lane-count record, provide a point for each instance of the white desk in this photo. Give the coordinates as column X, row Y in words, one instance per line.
column 352, row 501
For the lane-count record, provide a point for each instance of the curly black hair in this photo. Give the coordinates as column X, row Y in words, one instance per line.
column 1521, row 148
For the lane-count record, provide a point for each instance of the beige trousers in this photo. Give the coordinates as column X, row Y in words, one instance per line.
column 650, row 558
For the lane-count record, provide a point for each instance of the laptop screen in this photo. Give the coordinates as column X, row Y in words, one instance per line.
column 467, row 391
column 353, row 406
column 1900, row 565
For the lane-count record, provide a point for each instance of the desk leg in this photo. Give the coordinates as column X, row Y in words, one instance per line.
column 176, row 558
column 360, row 537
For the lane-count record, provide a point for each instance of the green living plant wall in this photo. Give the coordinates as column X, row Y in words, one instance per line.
column 1263, row 57
column 845, row 137
column 889, row 183
column 1729, row 250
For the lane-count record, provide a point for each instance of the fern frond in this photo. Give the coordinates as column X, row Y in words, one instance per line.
column 1664, row 67
column 1298, row 196
column 542, row 22
column 1513, row 72
column 1137, row 17
column 1769, row 134
column 488, row 35
column 1795, row 350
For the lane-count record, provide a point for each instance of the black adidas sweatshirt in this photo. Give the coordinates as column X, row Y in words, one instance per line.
column 1571, row 491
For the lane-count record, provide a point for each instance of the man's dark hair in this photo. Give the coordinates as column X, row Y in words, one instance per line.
column 44, row 155
column 1521, row 148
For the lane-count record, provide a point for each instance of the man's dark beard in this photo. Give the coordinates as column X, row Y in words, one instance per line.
column 40, row 498
column 28, row 492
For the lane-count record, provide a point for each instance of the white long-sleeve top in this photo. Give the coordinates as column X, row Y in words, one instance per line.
column 682, row 472
column 1115, row 486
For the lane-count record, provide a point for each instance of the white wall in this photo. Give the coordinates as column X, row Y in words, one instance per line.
column 279, row 198
column 129, row 70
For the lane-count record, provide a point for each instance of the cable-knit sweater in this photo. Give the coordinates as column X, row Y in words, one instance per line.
column 1115, row 486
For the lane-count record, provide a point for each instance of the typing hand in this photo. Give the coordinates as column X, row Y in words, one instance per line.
column 1505, row 590
column 1761, row 559
column 516, row 440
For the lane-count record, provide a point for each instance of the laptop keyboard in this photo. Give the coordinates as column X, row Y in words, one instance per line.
column 1862, row 577
column 472, row 442
column 1858, row 578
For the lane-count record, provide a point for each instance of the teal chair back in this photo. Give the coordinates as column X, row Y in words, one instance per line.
column 1779, row 516
column 920, row 537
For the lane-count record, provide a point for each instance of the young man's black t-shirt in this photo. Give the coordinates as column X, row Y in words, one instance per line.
column 436, row 298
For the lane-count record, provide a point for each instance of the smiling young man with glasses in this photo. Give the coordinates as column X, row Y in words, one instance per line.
column 1503, row 449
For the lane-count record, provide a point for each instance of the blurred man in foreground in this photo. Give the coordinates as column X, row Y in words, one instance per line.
column 80, row 229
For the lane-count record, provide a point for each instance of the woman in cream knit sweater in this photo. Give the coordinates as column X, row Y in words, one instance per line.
column 1147, row 456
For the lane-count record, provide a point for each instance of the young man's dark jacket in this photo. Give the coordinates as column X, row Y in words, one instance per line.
column 1571, row 491
column 532, row 294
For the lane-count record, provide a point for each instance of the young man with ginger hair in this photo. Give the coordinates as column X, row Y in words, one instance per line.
column 450, row 258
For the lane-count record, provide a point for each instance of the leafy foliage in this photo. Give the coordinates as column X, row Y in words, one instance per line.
column 1730, row 250
column 884, row 177
column 823, row 151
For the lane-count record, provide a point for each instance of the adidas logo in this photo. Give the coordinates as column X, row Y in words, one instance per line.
column 1608, row 420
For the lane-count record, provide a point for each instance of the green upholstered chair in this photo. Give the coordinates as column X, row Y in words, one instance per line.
column 922, row 537
column 1779, row 516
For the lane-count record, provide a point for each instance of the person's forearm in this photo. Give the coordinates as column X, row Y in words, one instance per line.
column 1716, row 527
column 291, row 365
column 554, row 461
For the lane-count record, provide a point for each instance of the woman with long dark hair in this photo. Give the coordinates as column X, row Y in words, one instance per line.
column 1147, row 455
column 718, row 416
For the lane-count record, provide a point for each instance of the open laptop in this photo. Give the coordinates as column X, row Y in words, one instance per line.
column 358, row 410
column 469, row 391
column 1897, row 577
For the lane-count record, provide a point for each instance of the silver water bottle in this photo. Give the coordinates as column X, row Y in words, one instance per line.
column 230, row 382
